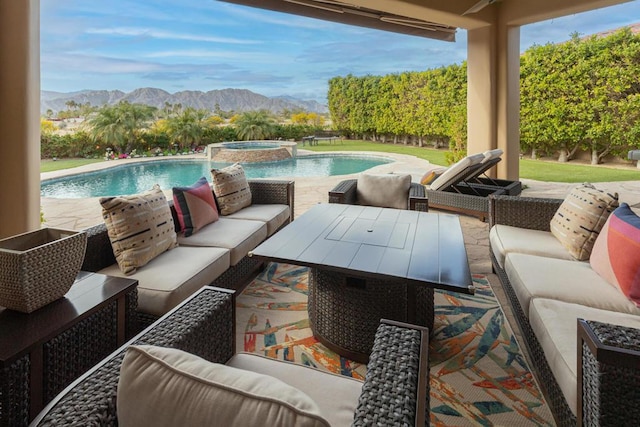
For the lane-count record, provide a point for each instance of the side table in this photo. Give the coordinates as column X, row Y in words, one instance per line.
column 608, row 374
column 44, row 351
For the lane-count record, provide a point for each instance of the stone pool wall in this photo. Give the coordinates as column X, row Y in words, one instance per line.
column 250, row 156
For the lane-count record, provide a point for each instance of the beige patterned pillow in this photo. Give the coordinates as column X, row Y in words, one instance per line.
column 231, row 189
column 140, row 227
column 580, row 218
column 161, row 386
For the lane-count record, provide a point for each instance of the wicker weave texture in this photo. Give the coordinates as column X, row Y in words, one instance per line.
column 348, row 315
column 14, row 404
column 237, row 275
column 610, row 392
column 33, row 276
column 203, row 326
column 76, row 350
column 553, row 394
column 523, row 212
column 392, row 371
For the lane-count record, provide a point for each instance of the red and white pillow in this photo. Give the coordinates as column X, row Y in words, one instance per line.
column 195, row 206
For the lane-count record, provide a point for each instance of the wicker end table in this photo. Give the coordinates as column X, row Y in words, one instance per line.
column 608, row 374
column 43, row 351
column 369, row 263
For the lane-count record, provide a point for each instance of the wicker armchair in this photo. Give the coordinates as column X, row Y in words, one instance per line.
column 608, row 356
column 395, row 391
column 346, row 193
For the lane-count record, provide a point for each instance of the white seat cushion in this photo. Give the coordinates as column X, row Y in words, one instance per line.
column 274, row 215
column 172, row 276
column 555, row 326
column 336, row 395
column 239, row 236
column 569, row 281
column 505, row 239
column 161, row 386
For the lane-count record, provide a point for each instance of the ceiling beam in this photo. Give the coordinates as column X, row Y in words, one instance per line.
column 359, row 15
column 529, row 12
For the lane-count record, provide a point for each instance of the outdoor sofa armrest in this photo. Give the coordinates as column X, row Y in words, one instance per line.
column 417, row 198
column 265, row 192
column 344, row 192
column 523, row 212
column 203, row 325
column 99, row 252
column 396, row 387
column 608, row 374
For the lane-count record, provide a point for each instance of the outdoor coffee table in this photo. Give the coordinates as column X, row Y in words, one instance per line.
column 368, row 263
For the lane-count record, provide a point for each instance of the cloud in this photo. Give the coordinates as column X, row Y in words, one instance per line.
column 161, row 34
column 253, row 56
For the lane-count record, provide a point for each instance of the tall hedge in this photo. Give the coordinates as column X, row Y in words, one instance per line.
column 582, row 95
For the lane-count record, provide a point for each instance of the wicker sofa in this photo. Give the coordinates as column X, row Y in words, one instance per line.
column 589, row 370
column 395, row 391
column 217, row 254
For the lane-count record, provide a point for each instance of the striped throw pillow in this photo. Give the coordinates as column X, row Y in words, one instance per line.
column 140, row 227
column 580, row 218
column 231, row 188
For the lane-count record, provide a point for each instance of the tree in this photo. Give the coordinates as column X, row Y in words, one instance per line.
column 121, row 124
column 254, row 125
column 188, row 127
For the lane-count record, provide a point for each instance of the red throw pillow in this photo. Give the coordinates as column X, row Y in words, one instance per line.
column 195, row 206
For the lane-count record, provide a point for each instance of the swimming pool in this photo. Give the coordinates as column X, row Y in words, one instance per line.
column 134, row 178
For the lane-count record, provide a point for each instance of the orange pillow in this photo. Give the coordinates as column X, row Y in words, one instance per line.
column 429, row 177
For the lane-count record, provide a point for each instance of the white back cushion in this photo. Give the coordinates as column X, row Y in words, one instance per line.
column 167, row 387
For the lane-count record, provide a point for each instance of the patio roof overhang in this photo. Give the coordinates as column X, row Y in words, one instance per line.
column 361, row 16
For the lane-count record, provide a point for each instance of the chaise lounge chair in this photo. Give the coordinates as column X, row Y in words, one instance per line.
column 463, row 188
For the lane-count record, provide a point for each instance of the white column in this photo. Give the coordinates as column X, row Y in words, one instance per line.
column 19, row 116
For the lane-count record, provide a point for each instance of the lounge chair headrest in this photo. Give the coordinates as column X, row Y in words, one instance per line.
column 491, row 154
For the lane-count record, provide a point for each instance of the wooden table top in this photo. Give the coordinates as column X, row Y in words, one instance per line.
column 381, row 243
column 19, row 332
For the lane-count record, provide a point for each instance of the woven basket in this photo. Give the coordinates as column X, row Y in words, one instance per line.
column 39, row 267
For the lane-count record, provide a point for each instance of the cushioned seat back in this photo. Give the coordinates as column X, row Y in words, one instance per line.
column 457, row 172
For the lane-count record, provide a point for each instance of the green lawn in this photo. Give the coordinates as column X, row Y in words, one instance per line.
column 49, row 165
column 529, row 169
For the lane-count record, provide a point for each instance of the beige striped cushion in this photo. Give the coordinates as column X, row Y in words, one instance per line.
column 231, row 189
column 140, row 227
column 580, row 218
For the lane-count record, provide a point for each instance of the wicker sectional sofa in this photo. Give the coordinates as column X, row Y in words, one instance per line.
column 395, row 390
column 590, row 371
column 216, row 254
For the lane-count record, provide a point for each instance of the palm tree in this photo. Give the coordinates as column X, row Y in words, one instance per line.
column 188, row 127
column 120, row 125
column 254, row 125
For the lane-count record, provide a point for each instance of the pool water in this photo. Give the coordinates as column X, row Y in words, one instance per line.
column 134, row 178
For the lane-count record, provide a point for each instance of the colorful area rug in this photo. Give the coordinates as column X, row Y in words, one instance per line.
column 478, row 373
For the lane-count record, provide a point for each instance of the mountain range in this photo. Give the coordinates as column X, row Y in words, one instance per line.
column 226, row 99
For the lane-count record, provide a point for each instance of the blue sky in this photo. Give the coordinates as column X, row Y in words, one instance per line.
column 203, row 45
